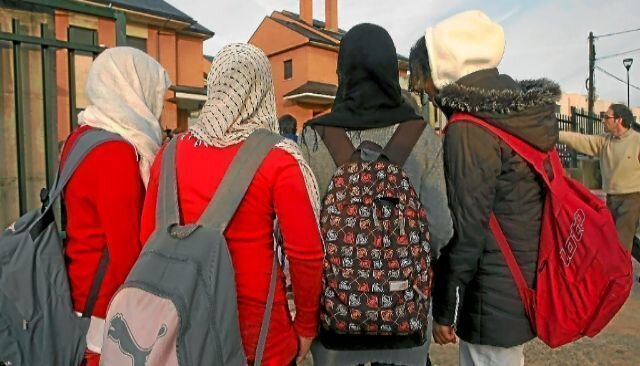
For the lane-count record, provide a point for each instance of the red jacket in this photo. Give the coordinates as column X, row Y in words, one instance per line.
column 103, row 202
column 277, row 189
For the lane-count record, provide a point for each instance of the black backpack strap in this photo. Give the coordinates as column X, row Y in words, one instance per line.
column 96, row 284
column 337, row 142
column 403, row 140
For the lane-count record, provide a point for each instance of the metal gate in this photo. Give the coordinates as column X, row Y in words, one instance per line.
column 29, row 94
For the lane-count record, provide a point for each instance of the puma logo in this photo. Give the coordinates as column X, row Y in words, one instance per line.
column 120, row 333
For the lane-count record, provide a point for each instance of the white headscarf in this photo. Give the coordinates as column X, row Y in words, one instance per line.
column 126, row 89
column 240, row 100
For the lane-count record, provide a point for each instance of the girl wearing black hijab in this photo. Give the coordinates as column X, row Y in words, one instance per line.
column 369, row 106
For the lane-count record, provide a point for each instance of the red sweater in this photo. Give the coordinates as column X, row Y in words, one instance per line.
column 277, row 189
column 103, row 202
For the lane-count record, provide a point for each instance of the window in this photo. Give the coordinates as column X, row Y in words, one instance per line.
column 288, row 69
column 139, row 43
column 83, row 35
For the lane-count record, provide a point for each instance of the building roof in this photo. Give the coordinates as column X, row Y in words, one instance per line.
column 334, row 37
column 158, row 8
column 314, row 87
column 200, row 29
column 305, row 32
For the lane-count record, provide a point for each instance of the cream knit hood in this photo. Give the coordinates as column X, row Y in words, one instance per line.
column 462, row 44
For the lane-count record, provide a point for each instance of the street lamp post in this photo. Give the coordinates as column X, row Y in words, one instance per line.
column 627, row 62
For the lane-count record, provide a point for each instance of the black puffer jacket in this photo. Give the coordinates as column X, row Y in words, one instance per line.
column 474, row 288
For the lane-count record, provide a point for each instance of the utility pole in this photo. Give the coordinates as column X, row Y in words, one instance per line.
column 592, row 63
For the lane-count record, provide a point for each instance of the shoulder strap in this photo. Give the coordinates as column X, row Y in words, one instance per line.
column 514, row 268
column 533, row 156
column 167, row 206
column 83, row 145
column 225, row 202
column 403, row 140
column 96, row 284
column 266, row 318
column 337, row 142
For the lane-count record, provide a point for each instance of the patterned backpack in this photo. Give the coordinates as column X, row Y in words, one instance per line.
column 377, row 267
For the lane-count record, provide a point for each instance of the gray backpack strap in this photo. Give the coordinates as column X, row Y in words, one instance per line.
column 266, row 319
column 84, row 144
column 225, row 202
column 167, row 210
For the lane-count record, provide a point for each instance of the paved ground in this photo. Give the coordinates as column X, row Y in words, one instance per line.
column 617, row 345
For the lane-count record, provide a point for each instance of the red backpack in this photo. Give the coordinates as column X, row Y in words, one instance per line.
column 584, row 275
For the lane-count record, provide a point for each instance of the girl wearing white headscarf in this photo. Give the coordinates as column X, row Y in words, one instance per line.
column 240, row 101
column 126, row 89
column 104, row 198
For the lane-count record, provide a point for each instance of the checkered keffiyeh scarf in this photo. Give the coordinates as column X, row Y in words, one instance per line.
column 240, row 100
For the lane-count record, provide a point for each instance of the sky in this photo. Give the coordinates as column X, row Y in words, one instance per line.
column 545, row 38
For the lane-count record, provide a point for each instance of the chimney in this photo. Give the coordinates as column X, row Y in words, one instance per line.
column 331, row 15
column 306, row 11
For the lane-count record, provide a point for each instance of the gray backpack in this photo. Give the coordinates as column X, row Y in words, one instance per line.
column 37, row 323
column 178, row 305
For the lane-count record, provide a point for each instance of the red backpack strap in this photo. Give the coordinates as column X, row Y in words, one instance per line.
column 514, row 267
column 337, row 142
column 533, row 156
column 537, row 159
column 403, row 140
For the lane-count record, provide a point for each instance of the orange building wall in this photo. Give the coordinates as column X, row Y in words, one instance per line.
column 183, row 121
column 310, row 63
column 282, row 86
column 152, row 43
column 322, row 65
column 107, row 32
column 190, row 53
column 167, row 57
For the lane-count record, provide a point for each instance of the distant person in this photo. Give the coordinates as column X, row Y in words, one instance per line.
column 287, row 127
column 365, row 289
column 283, row 188
column 475, row 297
column 619, row 153
column 126, row 89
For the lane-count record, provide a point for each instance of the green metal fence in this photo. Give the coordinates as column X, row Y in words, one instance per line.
column 579, row 121
column 47, row 46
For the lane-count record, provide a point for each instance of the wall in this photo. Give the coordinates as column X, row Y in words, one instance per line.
column 188, row 74
column 322, row 65
column 579, row 101
column 167, row 56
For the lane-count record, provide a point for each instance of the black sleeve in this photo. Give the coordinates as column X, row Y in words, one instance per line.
column 473, row 163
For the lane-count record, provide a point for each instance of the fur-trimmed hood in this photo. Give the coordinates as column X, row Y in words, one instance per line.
column 525, row 109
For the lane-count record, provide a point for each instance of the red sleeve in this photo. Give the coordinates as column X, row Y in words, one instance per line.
column 119, row 199
column 302, row 245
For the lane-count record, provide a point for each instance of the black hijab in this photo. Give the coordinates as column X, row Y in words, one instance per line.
column 369, row 94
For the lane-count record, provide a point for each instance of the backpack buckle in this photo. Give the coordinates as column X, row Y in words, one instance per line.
column 182, row 232
column 44, row 198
